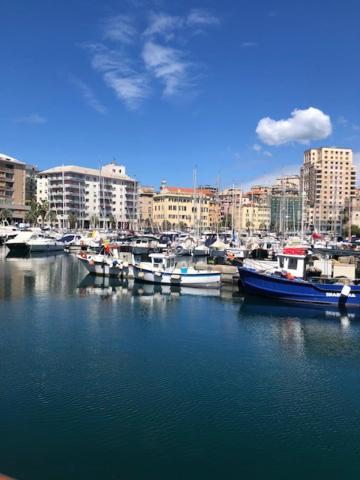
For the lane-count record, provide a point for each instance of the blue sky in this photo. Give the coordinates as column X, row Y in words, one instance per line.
column 162, row 86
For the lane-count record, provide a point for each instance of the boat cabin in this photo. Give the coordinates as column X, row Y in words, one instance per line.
column 293, row 264
column 161, row 260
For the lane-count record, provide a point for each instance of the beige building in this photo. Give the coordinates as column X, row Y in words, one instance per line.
column 355, row 209
column 184, row 208
column 146, row 201
column 328, row 180
column 12, row 187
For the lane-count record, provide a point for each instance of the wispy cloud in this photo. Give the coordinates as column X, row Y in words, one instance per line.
column 257, row 147
column 130, row 74
column 342, row 120
column 32, row 119
column 201, row 17
column 131, row 89
column 163, row 24
column 168, row 65
column 129, row 85
column 88, row 95
column 269, row 178
column 249, row 44
column 119, row 28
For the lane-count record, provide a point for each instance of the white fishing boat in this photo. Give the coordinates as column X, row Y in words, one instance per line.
column 163, row 269
column 108, row 263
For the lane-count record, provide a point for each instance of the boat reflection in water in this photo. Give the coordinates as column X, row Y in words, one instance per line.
column 254, row 306
column 115, row 287
column 314, row 330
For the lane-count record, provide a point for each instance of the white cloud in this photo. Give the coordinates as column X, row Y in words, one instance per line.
column 201, row 17
column 267, row 153
column 163, row 24
column 166, row 64
column 129, row 85
column 268, row 179
column 32, row 119
column 130, row 89
column 249, row 44
column 88, row 95
column 302, row 127
column 257, row 147
column 119, row 28
column 128, row 73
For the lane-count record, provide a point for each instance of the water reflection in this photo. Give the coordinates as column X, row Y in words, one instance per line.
column 306, row 329
column 26, row 276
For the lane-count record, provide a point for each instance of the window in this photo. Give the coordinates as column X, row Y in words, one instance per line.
column 292, row 265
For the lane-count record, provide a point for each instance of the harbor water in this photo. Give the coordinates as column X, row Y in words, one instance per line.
column 116, row 380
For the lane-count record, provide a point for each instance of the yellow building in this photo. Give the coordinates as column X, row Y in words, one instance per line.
column 254, row 216
column 184, row 209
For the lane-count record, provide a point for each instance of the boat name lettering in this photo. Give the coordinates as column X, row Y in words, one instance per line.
column 337, row 294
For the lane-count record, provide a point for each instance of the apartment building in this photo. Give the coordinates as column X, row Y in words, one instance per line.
column 146, row 201
column 328, row 180
column 104, row 197
column 31, row 172
column 286, row 205
column 184, row 208
column 12, row 187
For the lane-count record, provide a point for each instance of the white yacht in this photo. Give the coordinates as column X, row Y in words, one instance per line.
column 30, row 242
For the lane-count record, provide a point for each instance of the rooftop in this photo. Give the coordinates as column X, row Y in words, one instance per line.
column 104, row 171
column 7, row 158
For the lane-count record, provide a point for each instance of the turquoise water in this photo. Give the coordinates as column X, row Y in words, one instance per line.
column 124, row 381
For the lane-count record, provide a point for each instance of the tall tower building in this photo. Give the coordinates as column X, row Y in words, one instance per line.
column 328, row 180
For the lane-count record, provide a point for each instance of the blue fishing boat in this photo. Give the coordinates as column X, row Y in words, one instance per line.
column 315, row 290
column 290, row 282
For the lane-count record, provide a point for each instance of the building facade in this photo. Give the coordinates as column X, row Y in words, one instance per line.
column 328, row 180
column 12, row 187
column 146, row 201
column 286, row 205
column 31, row 172
column 102, row 198
column 184, row 209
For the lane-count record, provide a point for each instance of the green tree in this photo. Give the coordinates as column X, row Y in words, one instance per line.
column 42, row 210
column 5, row 214
column 72, row 219
column 52, row 217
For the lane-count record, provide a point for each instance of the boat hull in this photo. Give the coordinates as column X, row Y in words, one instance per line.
column 296, row 290
column 101, row 269
column 208, row 279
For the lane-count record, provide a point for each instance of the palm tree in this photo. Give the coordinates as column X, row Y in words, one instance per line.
column 94, row 221
column 52, row 217
column 42, row 210
column 31, row 217
column 72, row 219
column 5, row 214
column 111, row 220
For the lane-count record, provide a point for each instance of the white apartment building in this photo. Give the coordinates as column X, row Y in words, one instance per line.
column 105, row 197
column 328, row 179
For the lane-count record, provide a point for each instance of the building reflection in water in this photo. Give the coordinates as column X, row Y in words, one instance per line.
column 36, row 275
